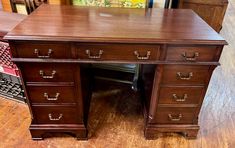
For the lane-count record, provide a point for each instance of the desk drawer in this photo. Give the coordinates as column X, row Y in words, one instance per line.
column 180, row 95
column 185, row 75
column 51, row 94
column 175, row 115
column 118, row 52
column 36, row 72
column 56, row 115
column 43, row 50
column 192, row 54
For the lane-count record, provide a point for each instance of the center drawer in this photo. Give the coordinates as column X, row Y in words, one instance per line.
column 56, row 114
column 48, row 72
column 52, row 94
column 118, row 52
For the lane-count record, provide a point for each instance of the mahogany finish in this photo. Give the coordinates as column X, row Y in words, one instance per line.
column 198, row 53
column 39, row 72
column 175, row 115
column 52, row 94
column 35, row 50
column 180, row 95
column 112, row 52
column 176, row 63
column 80, row 24
column 56, row 115
column 187, row 75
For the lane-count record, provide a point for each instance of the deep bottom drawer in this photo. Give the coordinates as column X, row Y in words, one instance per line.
column 175, row 115
column 56, row 115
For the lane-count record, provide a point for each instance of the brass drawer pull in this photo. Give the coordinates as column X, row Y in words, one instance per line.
column 180, row 99
column 191, row 59
column 175, row 118
column 185, row 77
column 36, row 51
column 55, row 119
column 140, row 57
column 51, row 98
column 41, row 72
column 88, row 52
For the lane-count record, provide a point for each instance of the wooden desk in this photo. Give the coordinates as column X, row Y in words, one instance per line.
column 178, row 52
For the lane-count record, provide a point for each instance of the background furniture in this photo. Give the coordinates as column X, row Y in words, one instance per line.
column 171, row 4
column 21, row 6
column 212, row 11
column 18, row 6
column 176, row 65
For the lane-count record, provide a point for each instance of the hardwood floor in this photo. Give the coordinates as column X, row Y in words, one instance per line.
column 116, row 119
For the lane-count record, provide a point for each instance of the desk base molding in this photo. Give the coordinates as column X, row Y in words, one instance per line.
column 38, row 131
column 153, row 131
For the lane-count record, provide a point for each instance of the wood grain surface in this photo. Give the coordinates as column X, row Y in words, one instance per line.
column 116, row 120
column 74, row 23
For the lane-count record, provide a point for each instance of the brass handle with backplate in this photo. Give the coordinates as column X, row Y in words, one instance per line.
column 142, row 57
column 55, row 119
column 180, row 99
column 185, row 77
column 41, row 72
column 176, row 118
column 37, row 52
column 51, row 98
column 88, row 52
column 192, row 58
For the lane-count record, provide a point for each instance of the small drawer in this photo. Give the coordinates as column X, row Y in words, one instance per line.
column 192, row 54
column 56, row 115
column 175, row 115
column 35, row 72
column 185, row 75
column 180, row 95
column 118, row 52
column 43, row 50
column 51, row 94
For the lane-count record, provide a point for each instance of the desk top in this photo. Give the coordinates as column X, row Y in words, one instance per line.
column 93, row 24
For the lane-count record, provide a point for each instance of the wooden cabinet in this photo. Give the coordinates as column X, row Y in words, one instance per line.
column 178, row 89
column 56, row 93
column 212, row 11
column 176, row 66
